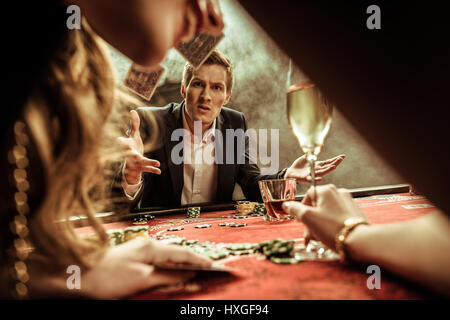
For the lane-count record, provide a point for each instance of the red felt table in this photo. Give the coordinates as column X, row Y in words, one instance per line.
column 256, row 279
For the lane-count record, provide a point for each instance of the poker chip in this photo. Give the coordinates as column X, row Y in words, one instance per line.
column 232, row 224
column 247, row 208
column 135, row 229
column 135, row 232
column 140, row 221
column 279, row 251
column 239, row 217
column 175, row 229
column 193, row 212
column 143, row 219
column 116, row 236
column 242, row 246
column 210, row 249
column 244, row 208
column 190, row 242
column 172, row 239
column 206, row 244
column 259, row 210
column 206, row 249
column 285, row 260
column 217, row 254
column 276, row 247
column 242, row 252
column 257, row 215
column 223, row 224
column 201, row 226
column 236, row 247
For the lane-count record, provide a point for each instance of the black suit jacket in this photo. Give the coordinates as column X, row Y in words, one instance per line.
column 165, row 189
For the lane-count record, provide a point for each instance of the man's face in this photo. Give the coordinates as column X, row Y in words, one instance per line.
column 206, row 93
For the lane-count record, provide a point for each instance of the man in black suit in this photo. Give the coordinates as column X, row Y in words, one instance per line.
column 205, row 165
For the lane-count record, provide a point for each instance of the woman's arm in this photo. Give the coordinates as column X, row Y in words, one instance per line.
column 120, row 272
column 418, row 250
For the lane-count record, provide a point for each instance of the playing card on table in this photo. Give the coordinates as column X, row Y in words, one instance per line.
column 198, row 49
column 417, row 206
column 143, row 80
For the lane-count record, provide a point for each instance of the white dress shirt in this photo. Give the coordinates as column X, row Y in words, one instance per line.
column 199, row 168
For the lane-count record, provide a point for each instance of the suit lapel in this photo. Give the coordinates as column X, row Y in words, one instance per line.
column 174, row 122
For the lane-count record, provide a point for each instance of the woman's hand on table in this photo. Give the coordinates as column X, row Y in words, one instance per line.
column 127, row 268
column 325, row 220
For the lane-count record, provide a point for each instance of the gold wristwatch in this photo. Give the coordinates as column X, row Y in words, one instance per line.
column 349, row 225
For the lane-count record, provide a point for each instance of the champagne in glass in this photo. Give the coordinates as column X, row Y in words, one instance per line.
column 309, row 115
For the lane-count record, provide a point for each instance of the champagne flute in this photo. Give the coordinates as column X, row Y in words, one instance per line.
column 310, row 114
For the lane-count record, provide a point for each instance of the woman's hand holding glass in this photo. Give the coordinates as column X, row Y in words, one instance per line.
column 326, row 218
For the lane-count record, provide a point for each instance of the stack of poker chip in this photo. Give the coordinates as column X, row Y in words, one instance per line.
column 171, row 239
column 205, row 249
column 279, row 251
column 143, row 219
column 244, row 208
column 238, row 249
column 276, row 247
column 193, row 212
column 135, row 232
column 116, row 236
column 259, row 210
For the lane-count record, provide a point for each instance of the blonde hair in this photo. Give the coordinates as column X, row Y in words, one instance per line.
column 216, row 57
column 65, row 114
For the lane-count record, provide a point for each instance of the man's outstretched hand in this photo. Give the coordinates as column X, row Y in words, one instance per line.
column 135, row 162
column 300, row 169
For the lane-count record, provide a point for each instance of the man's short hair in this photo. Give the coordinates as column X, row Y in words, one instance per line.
column 216, row 57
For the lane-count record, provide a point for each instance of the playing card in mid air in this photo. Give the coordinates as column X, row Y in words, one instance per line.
column 198, row 49
column 143, row 80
